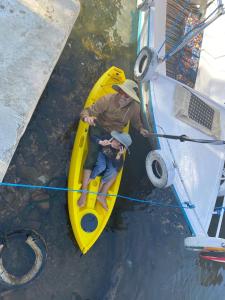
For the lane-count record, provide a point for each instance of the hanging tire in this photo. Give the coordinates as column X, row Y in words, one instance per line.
column 204, row 244
column 145, row 64
column 144, row 5
column 160, row 171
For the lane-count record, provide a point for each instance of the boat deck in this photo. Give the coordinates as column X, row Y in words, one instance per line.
column 211, row 71
column 198, row 167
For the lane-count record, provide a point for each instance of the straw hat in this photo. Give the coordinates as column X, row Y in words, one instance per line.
column 129, row 87
column 122, row 137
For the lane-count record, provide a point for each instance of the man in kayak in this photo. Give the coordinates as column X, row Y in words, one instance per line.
column 111, row 112
column 109, row 161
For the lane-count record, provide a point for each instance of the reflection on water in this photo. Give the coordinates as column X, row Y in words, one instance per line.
column 211, row 273
column 140, row 255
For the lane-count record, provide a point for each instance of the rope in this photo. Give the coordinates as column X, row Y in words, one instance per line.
column 185, row 138
column 145, row 201
column 218, row 210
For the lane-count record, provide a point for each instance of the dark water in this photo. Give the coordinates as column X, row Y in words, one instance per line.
column 140, row 255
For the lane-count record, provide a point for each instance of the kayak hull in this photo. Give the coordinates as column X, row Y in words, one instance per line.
column 89, row 221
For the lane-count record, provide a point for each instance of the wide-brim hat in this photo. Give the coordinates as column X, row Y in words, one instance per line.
column 130, row 87
column 122, row 137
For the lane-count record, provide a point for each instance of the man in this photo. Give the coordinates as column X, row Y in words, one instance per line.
column 111, row 112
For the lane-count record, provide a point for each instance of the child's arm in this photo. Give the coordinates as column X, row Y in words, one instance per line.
column 97, row 140
column 118, row 161
column 105, row 142
column 120, row 153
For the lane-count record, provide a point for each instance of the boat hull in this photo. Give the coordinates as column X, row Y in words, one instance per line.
column 197, row 168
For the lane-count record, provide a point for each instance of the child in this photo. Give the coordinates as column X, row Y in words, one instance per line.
column 109, row 161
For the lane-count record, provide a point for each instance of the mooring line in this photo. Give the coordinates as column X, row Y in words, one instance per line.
column 145, row 201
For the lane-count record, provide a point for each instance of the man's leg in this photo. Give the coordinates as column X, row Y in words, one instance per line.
column 90, row 162
column 86, row 176
column 88, row 166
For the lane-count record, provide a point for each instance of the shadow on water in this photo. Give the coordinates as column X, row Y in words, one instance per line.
column 141, row 254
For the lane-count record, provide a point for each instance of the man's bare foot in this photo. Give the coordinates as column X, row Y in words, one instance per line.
column 102, row 200
column 82, row 201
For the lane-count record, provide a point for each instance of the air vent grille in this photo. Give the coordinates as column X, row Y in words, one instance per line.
column 200, row 112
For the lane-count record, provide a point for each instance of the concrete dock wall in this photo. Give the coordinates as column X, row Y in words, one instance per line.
column 32, row 37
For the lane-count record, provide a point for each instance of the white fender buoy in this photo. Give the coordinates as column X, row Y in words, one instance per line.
column 144, row 5
column 145, row 64
column 160, row 171
column 204, row 243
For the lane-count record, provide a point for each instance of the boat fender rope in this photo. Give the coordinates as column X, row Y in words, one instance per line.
column 218, row 210
column 185, row 138
column 189, row 205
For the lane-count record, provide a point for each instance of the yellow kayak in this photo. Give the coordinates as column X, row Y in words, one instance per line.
column 89, row 221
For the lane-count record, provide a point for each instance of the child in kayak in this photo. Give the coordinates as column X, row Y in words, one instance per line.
column 110, row 161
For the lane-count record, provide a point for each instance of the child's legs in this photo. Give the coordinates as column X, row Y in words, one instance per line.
column 108, row 178
column 110, row 172
column 104, row 190
column 106, row 185
column 100, row 165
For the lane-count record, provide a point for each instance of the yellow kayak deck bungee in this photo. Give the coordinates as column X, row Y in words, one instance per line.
column 89, row 221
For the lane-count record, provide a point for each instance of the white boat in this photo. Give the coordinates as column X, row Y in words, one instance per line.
column 193, row 169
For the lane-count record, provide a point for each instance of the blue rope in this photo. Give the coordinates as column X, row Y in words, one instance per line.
column 220, row 207
column 218, row 210
column 150, row 202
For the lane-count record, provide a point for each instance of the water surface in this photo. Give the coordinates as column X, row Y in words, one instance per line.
column 140, row 255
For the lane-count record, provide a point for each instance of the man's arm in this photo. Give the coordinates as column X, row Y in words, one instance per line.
column 136, row 120
column 89, row 114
